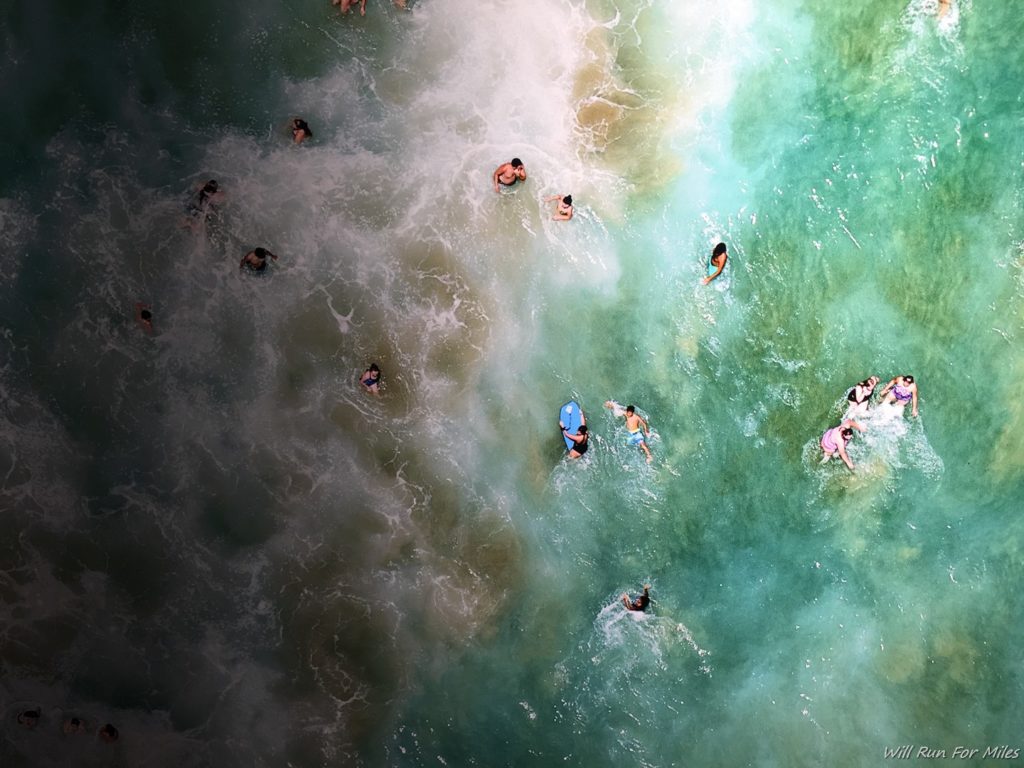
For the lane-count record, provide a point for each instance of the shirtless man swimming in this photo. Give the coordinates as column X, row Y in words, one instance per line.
column 509, row 173
column 256, row 260
column 634, row 425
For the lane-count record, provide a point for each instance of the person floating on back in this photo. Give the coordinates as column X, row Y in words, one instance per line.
column 509, row 173
column 581, row 440
column 641, row 602
column 716, row 263
column 834, row 441
column 634, row 424
column 901, row 390
column 256, row 260
column 371, row 379
column 563, row 211
column 300, row 130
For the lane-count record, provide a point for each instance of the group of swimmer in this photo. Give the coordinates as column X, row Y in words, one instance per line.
column 507, row 174
column 201, row 209
column 899, row 391
column 636, row 425
column 345, row 5
column 72, row 726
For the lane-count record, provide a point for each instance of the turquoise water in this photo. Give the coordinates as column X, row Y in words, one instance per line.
column 218, row 543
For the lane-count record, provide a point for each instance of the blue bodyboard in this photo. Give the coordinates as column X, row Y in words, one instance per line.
column 572, row 416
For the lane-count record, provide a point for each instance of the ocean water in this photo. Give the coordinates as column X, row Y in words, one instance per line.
column 217, row 542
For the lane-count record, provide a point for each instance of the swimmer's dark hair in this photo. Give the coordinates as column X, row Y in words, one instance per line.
column 582, row 430
column 146, row 314
column 261, row 253
column 719, row 249
column 567, row 199
column 373, row 368
column 846, row 432
column 211, row 186
column 298, row 124
column 630, row 409
column 865, row 383
column 516, row 163
column 908, row 379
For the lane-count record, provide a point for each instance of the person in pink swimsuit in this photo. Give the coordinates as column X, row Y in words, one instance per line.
column 834, row 441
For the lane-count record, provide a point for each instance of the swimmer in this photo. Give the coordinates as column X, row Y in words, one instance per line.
column 901, row 390
column 29, row 718
column 200, row 206
column 144, row 316
column 717, row 263
column 581, row 440
column 641, row 603
column 509, row 173
column 73, row 727
column 834, row 441
column 256, row 260
column 346, row 4
column 371, row 379
column 300, row 129
column 108, row 734
column 634, row 424
column 860, row 396
column 563, row 211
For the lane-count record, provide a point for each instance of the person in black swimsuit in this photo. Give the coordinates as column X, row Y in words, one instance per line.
column 860, row 396
column 581, row 439
column 371, row 379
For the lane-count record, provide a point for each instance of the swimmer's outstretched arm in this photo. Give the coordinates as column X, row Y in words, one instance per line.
column 717, row 272
column 617, row 410
column 843, row 456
